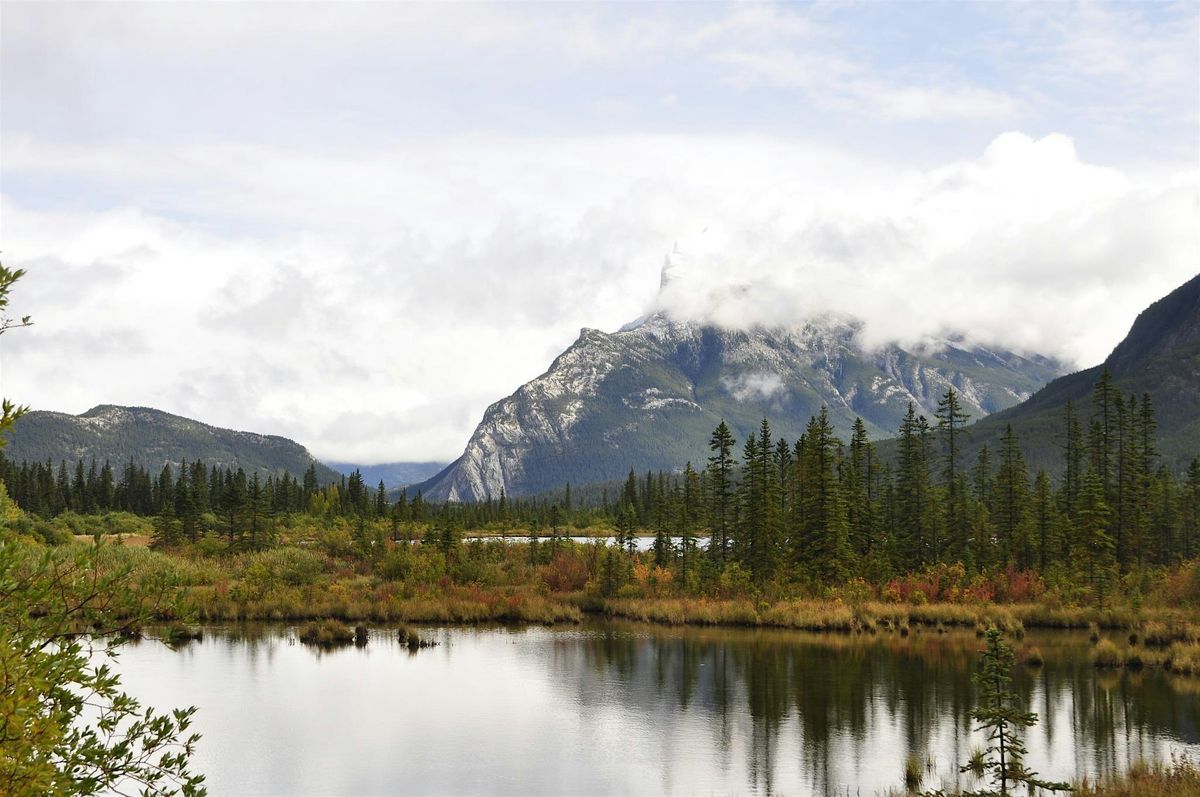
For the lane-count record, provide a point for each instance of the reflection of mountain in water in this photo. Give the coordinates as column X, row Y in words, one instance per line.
column 841, row 710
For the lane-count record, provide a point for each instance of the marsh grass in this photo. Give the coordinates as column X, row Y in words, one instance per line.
column 326, row 634
column 1178, row 778
column 1106, row 655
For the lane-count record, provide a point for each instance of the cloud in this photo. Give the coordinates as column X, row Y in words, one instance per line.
column 1026, row 246
column 752, row 385
column 832, row 83
column 359, row 225
column 414, row 298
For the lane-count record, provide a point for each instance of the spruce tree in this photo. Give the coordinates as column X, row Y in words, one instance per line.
column 1011, row 500
column 1094, row 545
column 720, row 492
column 999, row 715
column 826, row 534
column 950, row 422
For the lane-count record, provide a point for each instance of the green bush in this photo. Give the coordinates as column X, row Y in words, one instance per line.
column 126, row 523
column 291, row 567
column 211, row 545
column 735, row 581
column 396, row 564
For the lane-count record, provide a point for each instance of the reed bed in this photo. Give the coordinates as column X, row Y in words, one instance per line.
column 1178, row 778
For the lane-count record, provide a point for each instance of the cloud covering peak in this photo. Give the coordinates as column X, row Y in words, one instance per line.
column 1026, row 246
column 358, row 225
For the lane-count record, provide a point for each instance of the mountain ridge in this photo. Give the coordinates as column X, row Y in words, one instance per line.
column 153, row 438
column 1160, row 355
column 648, row 396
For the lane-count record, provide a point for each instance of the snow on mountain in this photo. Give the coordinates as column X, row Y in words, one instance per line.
column 648, row 395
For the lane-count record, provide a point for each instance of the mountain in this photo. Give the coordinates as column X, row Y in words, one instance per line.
column 392, row 474
column 649, row 395
column 1159, row 356
column 152, row 438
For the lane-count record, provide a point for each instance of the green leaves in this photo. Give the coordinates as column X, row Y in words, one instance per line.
column 66, row 728
column 998, row 714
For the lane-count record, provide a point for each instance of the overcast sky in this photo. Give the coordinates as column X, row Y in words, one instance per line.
column 358, row 225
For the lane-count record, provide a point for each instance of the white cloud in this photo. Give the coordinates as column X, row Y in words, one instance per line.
column 752, row 385
column 382, row 309
column 833, row 83
column 1026, row 247
column 358, row 225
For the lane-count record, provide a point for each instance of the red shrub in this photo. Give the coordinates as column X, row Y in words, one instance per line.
column 566, row 573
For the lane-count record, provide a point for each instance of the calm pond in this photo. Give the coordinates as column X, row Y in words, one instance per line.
column 632, row 709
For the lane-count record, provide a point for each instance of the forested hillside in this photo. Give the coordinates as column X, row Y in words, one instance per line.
column 1159, row 356
column 152, row 438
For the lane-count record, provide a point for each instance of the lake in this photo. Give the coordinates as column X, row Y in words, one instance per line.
column 607, row 708
column 642, row 544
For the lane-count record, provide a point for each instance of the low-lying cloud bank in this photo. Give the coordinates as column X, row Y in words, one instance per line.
column 1026, row 247
column 372, row 303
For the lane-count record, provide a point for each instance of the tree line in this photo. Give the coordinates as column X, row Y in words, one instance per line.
column 818, row 507
column 827, row 509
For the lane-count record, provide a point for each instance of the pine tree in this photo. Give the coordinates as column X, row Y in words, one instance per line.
column 913, row 498
column 381, row 502
column 826, row 532
column 999, row 715
column 860, row 477
column 1100, row 441
column 1073, row 473
column 950, row 422
column 720, row 491
column 1045, row 520
column 1094, row 545
column 1011, row 499
column 256, row 513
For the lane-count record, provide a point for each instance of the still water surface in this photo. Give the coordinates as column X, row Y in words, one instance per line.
column 631, row 709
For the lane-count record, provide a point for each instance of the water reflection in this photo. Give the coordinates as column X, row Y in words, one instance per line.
column 614, row 708
column 839, row 711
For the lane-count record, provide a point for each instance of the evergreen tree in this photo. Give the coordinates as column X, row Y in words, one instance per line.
column 720, row 491
column 950, row 422
column 1045, row 520
column 826, row 533
column 1094, row 545
column 1073, row 473
column 913, row 516
column 1000, row 716
column 1011, row 500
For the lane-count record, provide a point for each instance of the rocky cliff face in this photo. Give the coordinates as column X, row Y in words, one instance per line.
column 648, row 396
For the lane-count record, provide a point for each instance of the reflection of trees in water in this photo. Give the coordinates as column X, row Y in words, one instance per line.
column 839, row 690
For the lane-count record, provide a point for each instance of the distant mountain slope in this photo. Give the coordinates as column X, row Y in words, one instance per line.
column 393, row 474
column 649, row 395
column 152, row 438
column 1159, row 356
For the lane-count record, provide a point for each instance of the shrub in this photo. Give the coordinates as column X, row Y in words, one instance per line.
column 734, row 581
column 1185, row 658
column 567, row 572
column 292, row 567
column 326, row 633
column 396, row 564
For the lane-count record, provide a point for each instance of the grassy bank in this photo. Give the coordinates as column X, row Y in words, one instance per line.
column 1178, row 778
column 360, row 600
column 1158, row 626
column 332, row 571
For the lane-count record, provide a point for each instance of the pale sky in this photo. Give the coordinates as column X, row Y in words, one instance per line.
column 357, row 225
